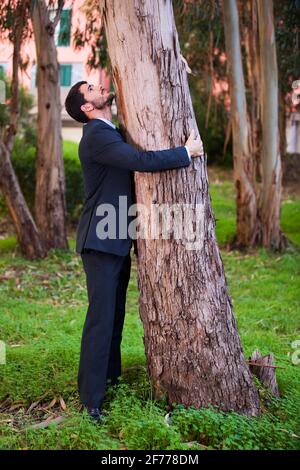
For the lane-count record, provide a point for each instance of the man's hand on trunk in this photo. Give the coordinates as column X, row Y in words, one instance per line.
column 194, row 145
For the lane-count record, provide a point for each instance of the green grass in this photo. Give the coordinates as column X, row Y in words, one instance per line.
column 223, row 201
column 43, row 305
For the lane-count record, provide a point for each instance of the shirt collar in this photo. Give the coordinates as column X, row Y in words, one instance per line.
column 107, row 122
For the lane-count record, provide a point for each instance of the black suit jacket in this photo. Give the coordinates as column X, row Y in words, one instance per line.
column 107, row 163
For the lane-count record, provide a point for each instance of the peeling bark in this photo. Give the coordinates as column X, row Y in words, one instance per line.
column 193, row 350
column 248, row 11
column 257, row 165
column 243, row 158
column 269, row 205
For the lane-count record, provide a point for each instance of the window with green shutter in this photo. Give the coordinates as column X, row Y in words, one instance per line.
column 65, row 75
column 64, row 34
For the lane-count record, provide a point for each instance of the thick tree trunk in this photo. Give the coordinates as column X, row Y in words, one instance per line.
column 243, row 159
column 27, row 234
column 50, row 206
column 269, row 206
column 193, row 349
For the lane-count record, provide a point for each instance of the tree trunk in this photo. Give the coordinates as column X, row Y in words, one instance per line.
column 269, row 206
column 192, row 346
column 243, row 160
column 249, row 31
column 27, row 234
column 50, row 206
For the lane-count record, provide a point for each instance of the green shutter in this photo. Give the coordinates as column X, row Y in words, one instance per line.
column 65, row 28
column 65, row 75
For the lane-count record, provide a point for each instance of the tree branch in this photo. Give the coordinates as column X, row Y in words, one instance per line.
column 58, row 13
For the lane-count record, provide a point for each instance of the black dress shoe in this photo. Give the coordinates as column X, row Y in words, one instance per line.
column 95, row 414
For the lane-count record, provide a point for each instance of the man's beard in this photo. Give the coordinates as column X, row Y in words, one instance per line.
column 107, row 102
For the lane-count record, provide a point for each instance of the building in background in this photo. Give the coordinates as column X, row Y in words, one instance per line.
column 73, row 69
column 72, row 64
column 293, row 133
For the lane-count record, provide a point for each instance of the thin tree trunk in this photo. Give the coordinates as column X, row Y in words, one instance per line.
column 248, row 11
column 50, row 205
column 193, row 349
column 269, row 207
column 243, row 161
column 27, row 234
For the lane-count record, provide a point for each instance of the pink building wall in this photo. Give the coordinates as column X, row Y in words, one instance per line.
column 66, row 55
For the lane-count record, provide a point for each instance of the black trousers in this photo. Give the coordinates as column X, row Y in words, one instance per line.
column 107, row 278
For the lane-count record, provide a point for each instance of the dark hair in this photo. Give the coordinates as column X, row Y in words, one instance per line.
column 74, row 101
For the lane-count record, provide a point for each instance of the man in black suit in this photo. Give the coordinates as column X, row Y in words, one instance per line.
column 107, row 163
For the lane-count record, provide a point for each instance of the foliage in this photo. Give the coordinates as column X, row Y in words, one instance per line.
column 26, row 101
column 74, row 181
column 213, row 133
column 23, row 159
column 43, row 306
column 230, row 431
column 202, row 43
column 200, row 31
column 94, row 36
column 8, row 14
column 290, row 210
column 287, row 15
